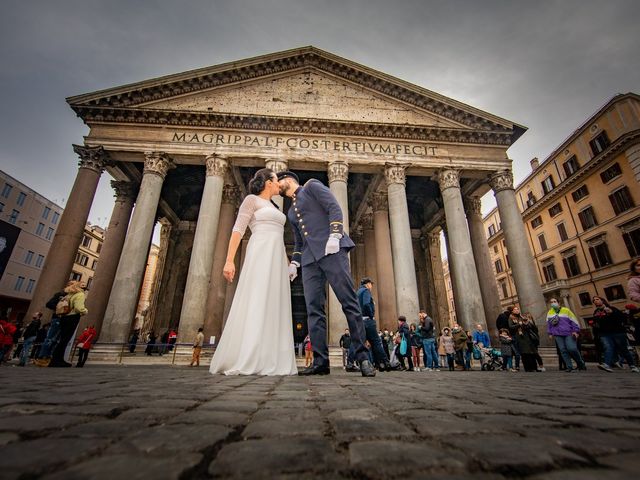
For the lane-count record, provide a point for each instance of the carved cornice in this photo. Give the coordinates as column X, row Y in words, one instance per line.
column 157, row 163
column 92, row 158
column 276, row 165
column 366, row 221
column 394, row 173
column 295, row 125
column 216, row 165
column 473, row 206
column 338, row 172
column 302, row 60
column 449, row 178
column 380, row 202
column 230, row 194
column 124, row 190
column 502, row 180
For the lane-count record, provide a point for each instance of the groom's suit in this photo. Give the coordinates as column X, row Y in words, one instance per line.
column 314, row 215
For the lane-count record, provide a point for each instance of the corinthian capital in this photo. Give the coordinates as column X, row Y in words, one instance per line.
column 367, row 221
column 124, row 190
column 502, row 180
column 449, row 178
column 216, row 165
column 338, row 172
column 380, row 202
column 93, row 158
column 473, row 206
column 276, row 165
column 157, row 163
column 395, row 173
column 434, row 239
column 230, row 194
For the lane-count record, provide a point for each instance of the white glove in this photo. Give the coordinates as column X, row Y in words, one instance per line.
column 293, row 271
column 333, row 245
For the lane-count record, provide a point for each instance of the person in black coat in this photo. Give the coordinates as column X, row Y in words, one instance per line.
column 613, row 334
column 405, row 333
column 503, row 319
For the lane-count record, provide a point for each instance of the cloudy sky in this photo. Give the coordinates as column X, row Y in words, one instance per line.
column 547, row 65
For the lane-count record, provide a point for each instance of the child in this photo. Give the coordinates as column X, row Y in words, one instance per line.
column 446, row 340
column 506, row 348
column 308, row 352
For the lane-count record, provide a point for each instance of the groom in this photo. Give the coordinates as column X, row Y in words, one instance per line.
column 321, row 248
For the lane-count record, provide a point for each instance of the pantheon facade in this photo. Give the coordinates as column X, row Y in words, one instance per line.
column 405, row 163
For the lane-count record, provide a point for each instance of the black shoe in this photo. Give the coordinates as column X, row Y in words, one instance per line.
column 315, row 370
column 367, row 369
column 351, row 368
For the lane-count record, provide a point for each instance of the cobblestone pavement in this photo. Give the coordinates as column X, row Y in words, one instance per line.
column 110, row 422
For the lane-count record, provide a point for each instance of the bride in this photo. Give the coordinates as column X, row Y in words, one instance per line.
column 258, row 336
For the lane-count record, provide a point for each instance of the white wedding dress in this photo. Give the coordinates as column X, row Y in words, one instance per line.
column 258, row 336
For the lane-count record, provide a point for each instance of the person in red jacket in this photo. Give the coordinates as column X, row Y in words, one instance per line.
column 85, row 342
column 7, row 329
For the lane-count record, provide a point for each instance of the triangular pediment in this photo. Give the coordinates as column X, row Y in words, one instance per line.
column 304, row 94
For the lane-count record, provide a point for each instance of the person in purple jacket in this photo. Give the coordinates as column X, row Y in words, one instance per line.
column 563, row 327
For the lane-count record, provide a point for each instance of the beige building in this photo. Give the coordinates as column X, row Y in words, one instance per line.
column 88, row 254
column 450, row 299
column 581, row 211
column 149, row 280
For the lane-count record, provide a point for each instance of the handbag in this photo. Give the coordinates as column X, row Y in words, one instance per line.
column 403, row 346
column 477, row 354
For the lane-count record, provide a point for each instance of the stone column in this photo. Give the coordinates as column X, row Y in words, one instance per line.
column 277, row 166
column 482, row 257
column 59, row 262
column 123, row 300
column 218, row 285
column 454, row 286
column 161, row 272
column 469, row 308
column 437, row 271
column 388, row 316
column 194, row 305
column 125, row 193
column 402, row 246
column 520, row 257
column 420, row 266
column 431, row 305
column 338, row 173
column 358, row 267
column 370, row 255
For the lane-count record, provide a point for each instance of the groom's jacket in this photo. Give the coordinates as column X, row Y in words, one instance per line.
column 314, row 215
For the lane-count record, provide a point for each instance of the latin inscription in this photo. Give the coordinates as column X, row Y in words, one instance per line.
column 305, row 143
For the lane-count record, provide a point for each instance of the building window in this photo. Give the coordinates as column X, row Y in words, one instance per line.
column 498, row 264
column 599, row 143
column 531, row 199
column 571, row 166
column 614, row 292
column 543, row 242
column 503, row 287
column 587, row 218
column 492, row 230
column 75, row 276
column 1, row 207
column 548, row 184
column 39, row 228
column 6, row 191
column 580, row 193
column 49, row 234
column 536, row 222
column 562, row 232
column 39, row 261
column 18, row 285
column 29, row 257
column 621, row 200
column 506, row 257
column 585, row 299
column 631, row 237
column 570, row 264
column 610, row 173
column 14, row 216
column 495, row 249
column 30, row 285
column 94, row 264
column 99, row 247
column 549, row 271
column 55, row 217
column 555, row 210
column 46, row 212
column 600, row 254
column 89, row 283
column 82, row 259
column 86, row 241
column 21, row 198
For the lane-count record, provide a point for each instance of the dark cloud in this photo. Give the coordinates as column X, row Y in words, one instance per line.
column 545, row 64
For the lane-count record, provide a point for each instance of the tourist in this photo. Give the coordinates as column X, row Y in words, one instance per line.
column 515, row 319
column 506, row 349
column 633, row 287
column 7, row 329
column 528, row 341
column 16, row 345
column 563, row 326
column 85, row 342
column 40, row 336
column 503, row 319
column 387, row 343
column 481, row 340
column 460, row 344
column 404, row 334
column 368, row 310
column 613, row 334
column 173, row 337
column 133, row 340
column 427, row 332
column 30, row 334
column 308, row 351
column 53, row 332
column 416, row 345
column 345, row 343
column 468, row 351
column 448, row 347
column 197, row 347
column 151, row 343
column 74, row 293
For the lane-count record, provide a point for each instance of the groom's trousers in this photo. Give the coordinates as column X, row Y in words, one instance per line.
column 334, row 269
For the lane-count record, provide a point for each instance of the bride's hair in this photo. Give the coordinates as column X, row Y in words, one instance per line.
column 256, row 184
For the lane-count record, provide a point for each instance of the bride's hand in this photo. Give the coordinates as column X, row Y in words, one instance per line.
column 229, row 271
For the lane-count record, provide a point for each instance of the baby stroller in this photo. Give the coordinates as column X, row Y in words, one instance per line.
column 492, row 359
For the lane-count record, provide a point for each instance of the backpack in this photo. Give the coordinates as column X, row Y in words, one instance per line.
column 63, row 307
